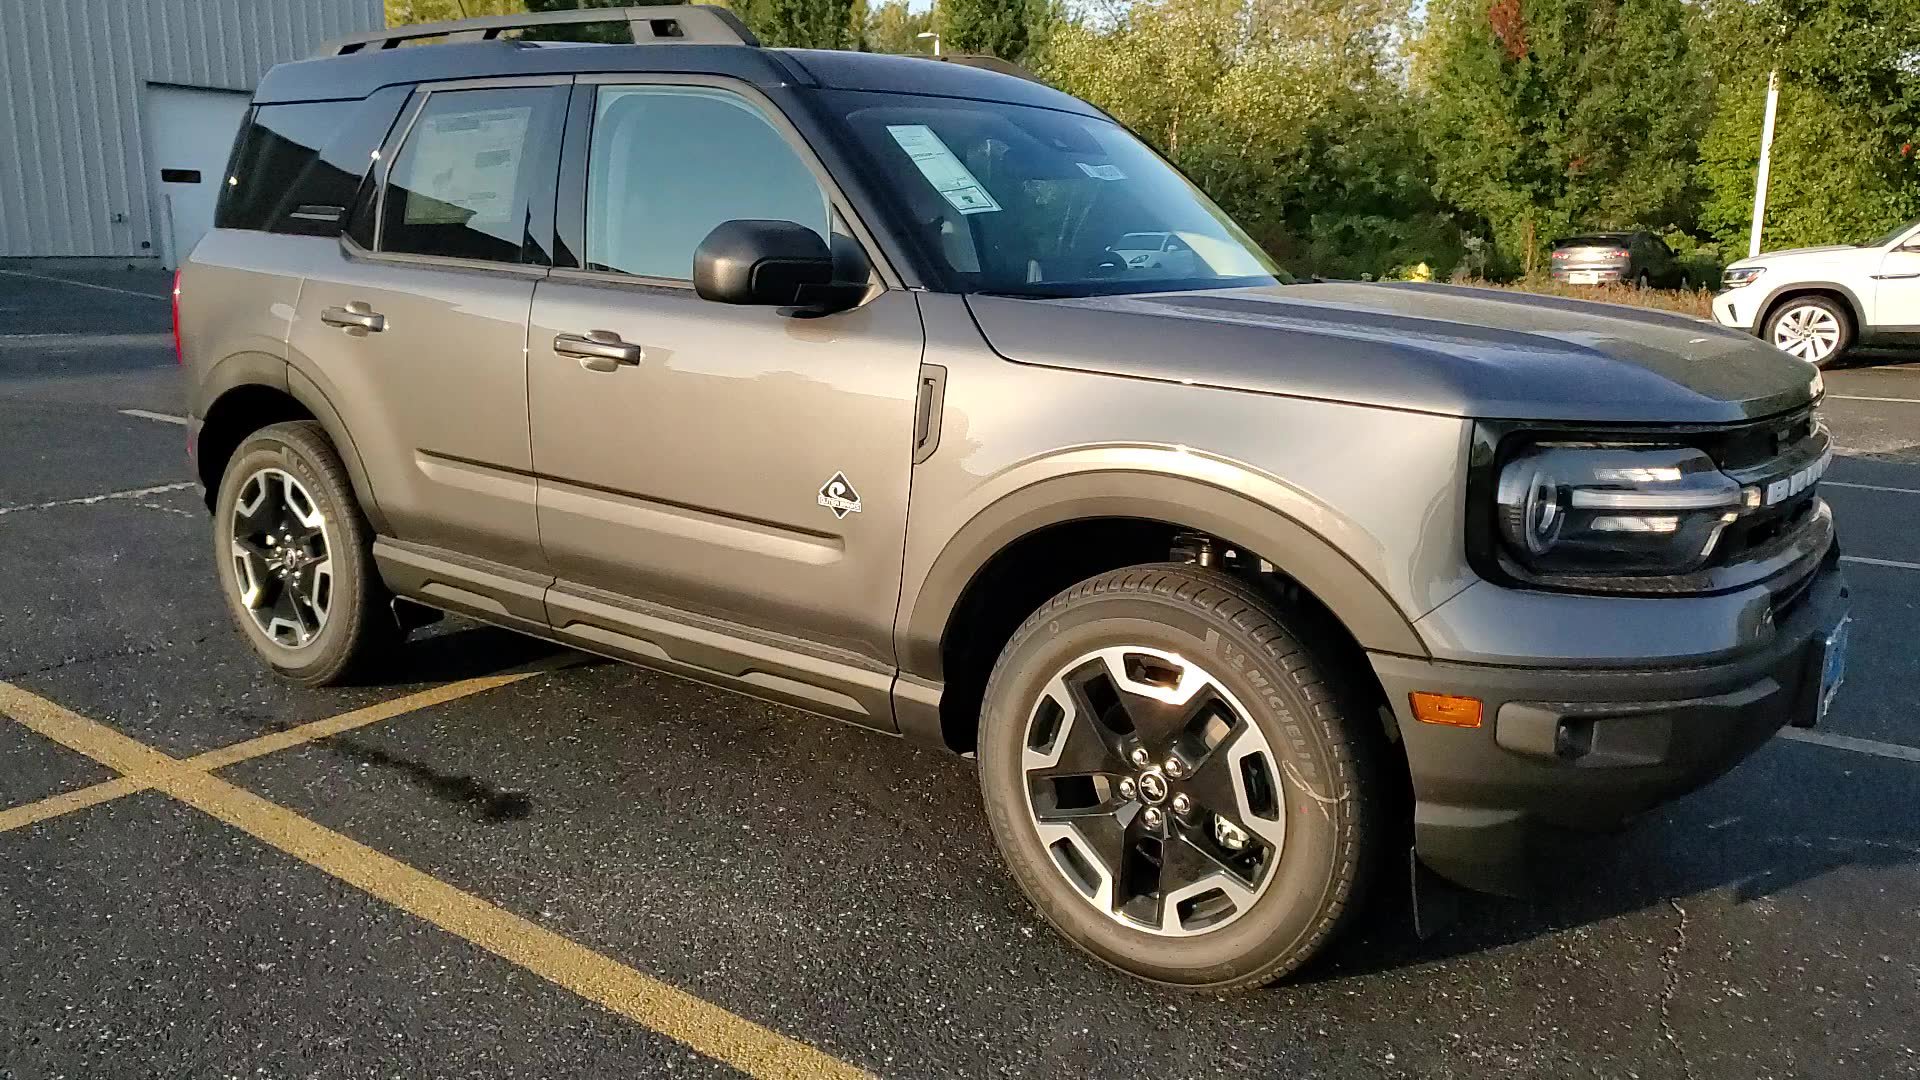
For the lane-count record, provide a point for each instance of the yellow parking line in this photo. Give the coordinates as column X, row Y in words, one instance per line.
column 700, row 1025
column 335, row 725
column 29, row 706
column 19, row 817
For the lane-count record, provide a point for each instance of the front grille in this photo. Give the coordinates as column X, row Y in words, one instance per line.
column 1779, row 463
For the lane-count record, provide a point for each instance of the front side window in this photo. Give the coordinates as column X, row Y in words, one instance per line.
column 669, row 163
column 470, row 179
column 1028, row 201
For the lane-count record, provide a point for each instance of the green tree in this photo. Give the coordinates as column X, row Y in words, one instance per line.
column 1290, row 113
column 1545, row 116
column 894, row 27
column 1844, row 162
column 997, row 27
column 804, row 24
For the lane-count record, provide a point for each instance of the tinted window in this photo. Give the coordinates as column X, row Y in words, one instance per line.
column 667, row 164
column 474, row 174
column 277, row 165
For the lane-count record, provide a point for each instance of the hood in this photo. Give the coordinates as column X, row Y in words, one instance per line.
column 1483, row 353
column 1788, row 253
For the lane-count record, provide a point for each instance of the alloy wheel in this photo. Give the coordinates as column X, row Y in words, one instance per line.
column 282, row 558
column 1153, row 792
column 1809, row 332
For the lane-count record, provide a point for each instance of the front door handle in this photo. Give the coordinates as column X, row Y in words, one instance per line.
column 357, row 315
column 599, row 350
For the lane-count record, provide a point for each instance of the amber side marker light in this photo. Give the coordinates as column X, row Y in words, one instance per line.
column 1445, row 709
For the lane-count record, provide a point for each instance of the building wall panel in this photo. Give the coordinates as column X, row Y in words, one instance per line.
column 74, row 73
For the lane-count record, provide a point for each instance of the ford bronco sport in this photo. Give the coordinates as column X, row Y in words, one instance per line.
column 834, row 379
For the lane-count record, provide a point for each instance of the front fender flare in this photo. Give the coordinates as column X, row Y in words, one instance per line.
column 1353, row 596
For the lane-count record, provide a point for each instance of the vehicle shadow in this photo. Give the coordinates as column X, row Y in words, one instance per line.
column 1791, row 816
column 456, row 649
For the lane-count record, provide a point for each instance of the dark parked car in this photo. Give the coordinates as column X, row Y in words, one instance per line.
column 1597, row 258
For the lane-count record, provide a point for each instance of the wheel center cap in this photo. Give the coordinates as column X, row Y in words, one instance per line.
column 1153, row 786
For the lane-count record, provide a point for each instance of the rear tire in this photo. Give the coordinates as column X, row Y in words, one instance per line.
column 1265, row 744
column 295, row 558
column 1813, row 328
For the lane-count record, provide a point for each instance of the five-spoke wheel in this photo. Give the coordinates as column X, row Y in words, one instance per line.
column 281, row 557
column 1155, row 795
column 1178, row 777
column 295, row 557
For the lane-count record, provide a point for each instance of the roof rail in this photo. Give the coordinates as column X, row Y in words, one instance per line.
column 689, row 24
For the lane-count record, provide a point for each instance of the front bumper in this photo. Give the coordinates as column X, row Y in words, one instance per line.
column 1737, row 308
column 1589, row 748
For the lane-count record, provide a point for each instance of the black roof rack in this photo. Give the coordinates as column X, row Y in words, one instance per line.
column 691, row 24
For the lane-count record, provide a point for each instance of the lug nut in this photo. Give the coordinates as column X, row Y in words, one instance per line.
column 1182, row 804
column 1152, row 817
column 1175, row 767
column 1140, row 755
column 1126, row 788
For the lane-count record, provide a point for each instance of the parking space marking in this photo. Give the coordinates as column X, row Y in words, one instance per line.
column 89, row 500
column 19, row 817
column 1848, row 742
column 700, row 1025
column 1870, row 487
column 1863, row 397
column 165, row 418
column 31, row 813
column 85, row 284
column 1895, row 563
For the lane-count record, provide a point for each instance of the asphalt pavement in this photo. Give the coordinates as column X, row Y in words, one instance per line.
column 507, row 860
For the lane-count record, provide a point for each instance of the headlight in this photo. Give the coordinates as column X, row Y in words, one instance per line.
column 1590, row 509
column 1741, row 275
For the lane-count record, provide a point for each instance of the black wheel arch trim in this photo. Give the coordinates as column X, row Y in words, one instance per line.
column 1354, row 597
column 241, row 371
column 1792, row 288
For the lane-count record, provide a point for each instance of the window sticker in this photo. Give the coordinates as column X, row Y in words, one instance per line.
column 1102, row 172
column 944, row 171
column 464, row 167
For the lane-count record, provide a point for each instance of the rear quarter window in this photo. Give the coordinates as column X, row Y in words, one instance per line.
column 296, row 167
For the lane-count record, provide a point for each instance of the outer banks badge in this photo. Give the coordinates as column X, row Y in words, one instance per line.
column 838, row 496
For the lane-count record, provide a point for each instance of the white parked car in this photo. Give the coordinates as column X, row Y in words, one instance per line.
column 1816, row 303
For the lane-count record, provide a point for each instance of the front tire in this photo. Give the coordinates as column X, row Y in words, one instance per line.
column 1175, row 782
column 295, row 559
column 1813, row 328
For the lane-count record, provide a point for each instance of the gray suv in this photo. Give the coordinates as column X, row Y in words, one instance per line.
column 827, row 378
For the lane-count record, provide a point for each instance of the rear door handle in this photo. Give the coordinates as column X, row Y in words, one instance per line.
column 599, row 350
column 357, row 315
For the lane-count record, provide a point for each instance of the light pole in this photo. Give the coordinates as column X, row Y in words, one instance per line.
column 936, row 40
column 1766, row 163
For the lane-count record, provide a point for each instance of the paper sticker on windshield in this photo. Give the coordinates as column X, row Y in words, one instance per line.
column 1102, row 172
column 944, row 171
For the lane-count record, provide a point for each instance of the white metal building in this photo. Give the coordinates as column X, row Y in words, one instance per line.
column 118, row 114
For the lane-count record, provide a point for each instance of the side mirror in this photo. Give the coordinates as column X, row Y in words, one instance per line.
column 773, row 264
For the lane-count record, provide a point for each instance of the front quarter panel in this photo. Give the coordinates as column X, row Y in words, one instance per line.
column 1365, row 506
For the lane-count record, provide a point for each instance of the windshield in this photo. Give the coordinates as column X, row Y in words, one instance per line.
column 1892, row 236
column 1027, row 201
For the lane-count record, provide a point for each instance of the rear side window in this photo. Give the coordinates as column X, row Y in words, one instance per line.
column 296, row 167
column 474, row 174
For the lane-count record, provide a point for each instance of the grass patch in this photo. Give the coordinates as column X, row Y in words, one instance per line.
column 1696, row 302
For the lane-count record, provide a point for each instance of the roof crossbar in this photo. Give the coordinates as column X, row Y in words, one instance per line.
column 682, row 24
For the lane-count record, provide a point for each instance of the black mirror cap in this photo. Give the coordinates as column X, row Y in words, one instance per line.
column 769, row 264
